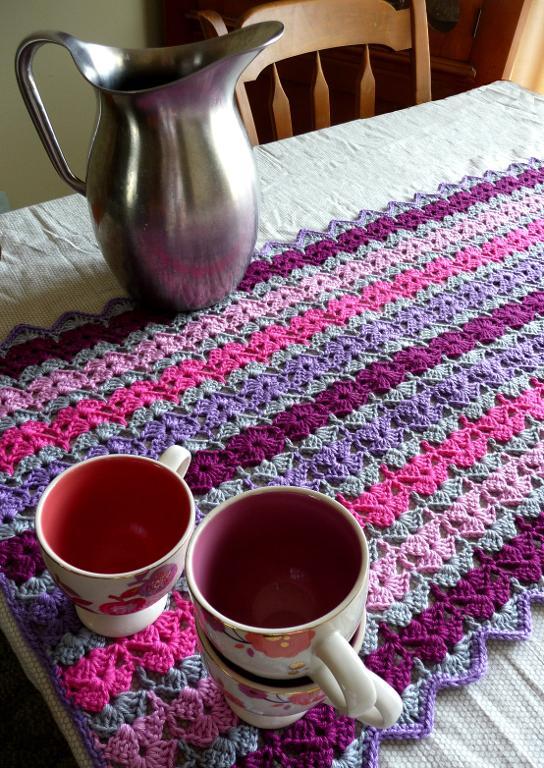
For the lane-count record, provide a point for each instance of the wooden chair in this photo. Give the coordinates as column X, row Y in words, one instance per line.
column 312, row 26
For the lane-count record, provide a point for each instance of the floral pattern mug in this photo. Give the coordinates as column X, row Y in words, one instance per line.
column 113, row 532
column 264, row 703
column 279, row 577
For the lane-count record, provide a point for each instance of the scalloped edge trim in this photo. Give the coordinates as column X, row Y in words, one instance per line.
column 71, row 318
column 119, row 304
column 478, row 668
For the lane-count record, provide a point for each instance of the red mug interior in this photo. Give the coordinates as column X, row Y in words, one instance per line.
column 116, row 514
column 277, row 559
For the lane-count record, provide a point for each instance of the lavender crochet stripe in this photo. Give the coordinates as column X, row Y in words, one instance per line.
column 520, row 184
column 254, row 392
column 388, row 427
column 374, row 437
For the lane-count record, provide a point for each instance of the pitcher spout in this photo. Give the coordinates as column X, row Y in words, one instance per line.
column 125, row 70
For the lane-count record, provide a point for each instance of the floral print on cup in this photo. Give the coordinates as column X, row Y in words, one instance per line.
column 280, row 646
column 283, row 700
column 151, row 584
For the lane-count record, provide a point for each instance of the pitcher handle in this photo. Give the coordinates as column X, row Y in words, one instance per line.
column 34, row 104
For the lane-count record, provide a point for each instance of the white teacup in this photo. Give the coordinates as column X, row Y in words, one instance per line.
column 113, row 532
column 279, row 578
column 278, row 703
column 258, row 701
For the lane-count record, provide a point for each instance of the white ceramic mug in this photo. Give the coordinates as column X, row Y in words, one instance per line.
column 279, row 578
column 113, row 532
column 261, row 702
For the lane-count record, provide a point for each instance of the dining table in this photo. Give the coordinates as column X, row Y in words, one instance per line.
column 383, row 348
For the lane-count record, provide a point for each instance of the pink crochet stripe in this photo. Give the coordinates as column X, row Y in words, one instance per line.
column 384, row 502
column 144, row 355
column 18, row 442
column 106, row 672
column 469, row 517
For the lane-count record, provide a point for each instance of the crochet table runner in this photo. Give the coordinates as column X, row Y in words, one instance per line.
column 395, row 363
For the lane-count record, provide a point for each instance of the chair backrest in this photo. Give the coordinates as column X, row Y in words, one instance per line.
column 315, row 25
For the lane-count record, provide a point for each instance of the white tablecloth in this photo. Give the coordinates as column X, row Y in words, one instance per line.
column 51, row 264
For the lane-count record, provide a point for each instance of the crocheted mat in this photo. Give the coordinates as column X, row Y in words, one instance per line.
column 395, row 363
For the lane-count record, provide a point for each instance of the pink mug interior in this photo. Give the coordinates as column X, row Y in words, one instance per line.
column 114, row 514
column 277, row 559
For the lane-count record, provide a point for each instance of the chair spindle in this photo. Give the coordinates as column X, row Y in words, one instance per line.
column 367, row 87
column 281, row 111
column 320, row 96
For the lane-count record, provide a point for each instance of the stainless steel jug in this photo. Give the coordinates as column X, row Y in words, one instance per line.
column 170, row 181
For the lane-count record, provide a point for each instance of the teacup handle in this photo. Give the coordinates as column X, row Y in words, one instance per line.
column 352, row 688
column 177, row 458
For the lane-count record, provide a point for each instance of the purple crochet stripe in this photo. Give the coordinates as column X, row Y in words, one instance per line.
column 36, row 351
column 77, row 716
column 171, row 428
column 434, row 632
column 209, row 468
column 380, row 229
column 478, row 668
column 392, row 209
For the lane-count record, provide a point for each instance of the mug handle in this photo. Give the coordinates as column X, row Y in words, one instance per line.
column 352, row 688
column 176, row 458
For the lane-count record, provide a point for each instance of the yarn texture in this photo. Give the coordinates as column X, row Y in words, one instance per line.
column 395, row 363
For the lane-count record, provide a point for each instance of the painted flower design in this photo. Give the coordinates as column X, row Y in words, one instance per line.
column 280, row 646
column 252, row 693
column 158, row 580
column 134, row 598
column 307, row 697
column 120, row 607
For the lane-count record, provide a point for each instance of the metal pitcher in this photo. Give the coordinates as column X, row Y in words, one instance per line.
column 171, row 180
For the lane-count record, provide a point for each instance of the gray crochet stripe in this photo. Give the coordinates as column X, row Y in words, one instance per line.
column 269, row 471
column 293, row 279
column 458, row 664
column 503, row 529
column 452, row 488
column 390, row 314
column 105, row 431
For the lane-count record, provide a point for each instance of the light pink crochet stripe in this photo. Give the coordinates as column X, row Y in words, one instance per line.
column 21, row 441
column 384, row 502
column 145, row 354
column 469, row 517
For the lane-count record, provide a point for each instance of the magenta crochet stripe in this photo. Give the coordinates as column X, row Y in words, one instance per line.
column 16, row 443
column 35, row 351
column 194, row 337
column 395, row 363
